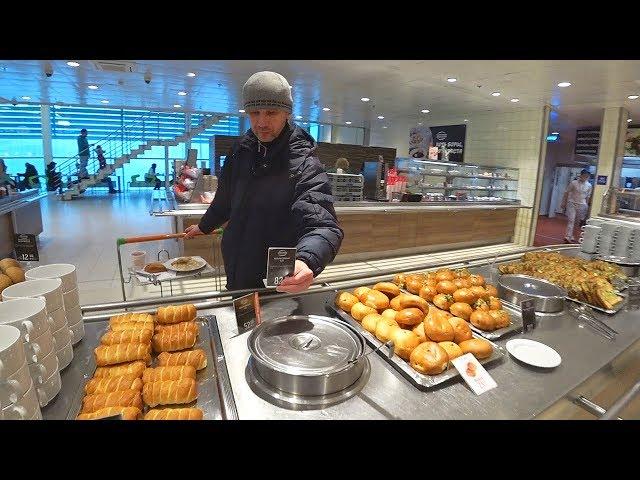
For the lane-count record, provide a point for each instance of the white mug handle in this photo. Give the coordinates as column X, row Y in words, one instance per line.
column 20, row 410
column 28, row 328
column 43, row 373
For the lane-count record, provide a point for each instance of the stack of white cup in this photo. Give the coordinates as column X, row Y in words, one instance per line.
column 622, row 241
column 589, row 238
column 67, row 274
column 608, row 233
column 18, row 400
column 51, row 290
column 29, row 316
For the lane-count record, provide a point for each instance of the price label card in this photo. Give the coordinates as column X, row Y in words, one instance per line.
column 247, row 311
column 528, row 315
column 474, row 374
column 281, row 262
column 26, row 247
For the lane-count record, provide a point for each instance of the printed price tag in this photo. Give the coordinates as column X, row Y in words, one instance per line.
column 247, row 311
column 26, row 247
column 281, row 262
column 528, row 315
column 474, row 374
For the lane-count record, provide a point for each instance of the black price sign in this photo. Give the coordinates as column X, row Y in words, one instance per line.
column 247, row 311
column 26, row 247
column 281, row 262
column 528, row 314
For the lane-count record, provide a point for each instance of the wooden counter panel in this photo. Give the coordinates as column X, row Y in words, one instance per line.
column 386, row 231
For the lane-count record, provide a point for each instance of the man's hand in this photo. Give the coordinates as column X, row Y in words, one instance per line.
column 191, row 231
column 299, row 282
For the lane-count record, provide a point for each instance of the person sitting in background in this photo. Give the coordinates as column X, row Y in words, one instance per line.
column 5, row 179
column 31, row 179
column 54, row 179
column 342, row 166
column 101, row 160
column 575, row 200
column 151, row 177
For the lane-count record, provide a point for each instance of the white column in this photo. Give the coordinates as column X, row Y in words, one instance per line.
column 613, row 133
column 166, row 167
column 45, row 119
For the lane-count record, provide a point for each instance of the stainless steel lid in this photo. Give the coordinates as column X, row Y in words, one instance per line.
column 533, row 287
column 619, row 260
column 307, row 345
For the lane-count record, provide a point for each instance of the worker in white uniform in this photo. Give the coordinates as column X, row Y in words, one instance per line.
column 576, row 199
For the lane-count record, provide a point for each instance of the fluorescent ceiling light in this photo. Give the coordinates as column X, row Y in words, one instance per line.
column 381, row 117
column 92, row 87
column 177, row 105
column 628, row 120
column 26, row 98
column 326, row 109
column 73, row 64
column 452, row 79
column 466, row 120
column 63, row 123
column 515, row 100
column 365, row 99
column 241, row 111
column 348, row 123
column 633, row 97
column 182, row 94
column 496, row 94
column 104, row 101
column 191, row 74
column 384, row 126
column 424, row 111
column 555, row 133
column 298, row 117
column 564, row 84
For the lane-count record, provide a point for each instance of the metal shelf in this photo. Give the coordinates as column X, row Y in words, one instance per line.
column 471, row 188
column 460, row 176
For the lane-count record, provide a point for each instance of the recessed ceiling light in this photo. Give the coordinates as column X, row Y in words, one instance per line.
column 466, row 120
column 63, row 123
column 348, row 123
column 555, row 133
column 452, row 79
column 298, row 117
column 564, row 84
column 419, row 123
column 26, row 98
column 93, row 87
column 104, row 101
column 73, row 64
column 381, row 117
column 365, row 99
column 633, row 97
column 515, row 100
column 384, row 126
column 495, row 94
column 182, row 94
column 191, row 74
column 629, row 120
column 326, row 109
column 177, row 105
column 424, row 111
column 304, row 123
column 241, row 111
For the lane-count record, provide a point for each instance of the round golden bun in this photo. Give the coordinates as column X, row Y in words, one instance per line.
column 419, row 330
column 409, row 317
column 7, row 263
column 483, row 320
column 345, row 301
column 501, row 318
column 453, row 350
column 399, row 279
column 414, row 284
column 360, row 290
column 404, row 342
column 479, row 347
column 385, row 329
column 390, row 313
column 359, row 311
column 408, row 301
column 389, row 289
column 438, row 328
column 16, row 274
column 429, row 358
column 370, row 322
column 375, row 299
column 461, row 329
column 462, row 310
column 5, row 281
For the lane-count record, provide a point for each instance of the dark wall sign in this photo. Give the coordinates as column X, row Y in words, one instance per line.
column 602, row 179
column 26, row 247
column 587, row 141
column 451, row 136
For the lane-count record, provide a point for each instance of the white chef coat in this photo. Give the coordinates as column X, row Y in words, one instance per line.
column 578, row 192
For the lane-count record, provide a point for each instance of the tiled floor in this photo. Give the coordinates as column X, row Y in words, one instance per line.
column 550, row 231
column 84, row 232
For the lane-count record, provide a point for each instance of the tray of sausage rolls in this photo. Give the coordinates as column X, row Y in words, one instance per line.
column 151, row 367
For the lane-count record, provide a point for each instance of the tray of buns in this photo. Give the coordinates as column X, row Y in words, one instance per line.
column 151, row 367
column 419, row 380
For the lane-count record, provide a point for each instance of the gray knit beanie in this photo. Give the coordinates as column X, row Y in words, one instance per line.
column 267, row 90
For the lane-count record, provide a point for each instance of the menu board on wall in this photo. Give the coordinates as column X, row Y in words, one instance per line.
column 632, row 143
column 451, row 136
column 587, row 141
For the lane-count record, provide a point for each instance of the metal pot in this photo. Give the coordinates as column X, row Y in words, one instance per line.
column 548, row 297
column 307, row 354
column 630, row 267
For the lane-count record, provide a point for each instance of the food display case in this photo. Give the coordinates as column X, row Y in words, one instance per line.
column 449, row 181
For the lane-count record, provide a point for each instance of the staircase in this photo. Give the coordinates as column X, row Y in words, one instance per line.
column 122, row 146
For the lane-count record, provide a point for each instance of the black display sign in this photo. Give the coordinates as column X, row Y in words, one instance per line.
column 247, row 310
column 528, row 314
column 281, row 262
column 587, row 141
column 452, row 137
column 602, row 179
column 26, row 247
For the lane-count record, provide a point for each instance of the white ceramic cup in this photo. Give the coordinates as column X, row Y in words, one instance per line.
column 77, row 332
column 12, row 354
column 74, row 316
column 138, row 259
column 45, row 368
column 39, row 347
column 64, row 271
column 62, row 336
column 27, row 314
column 15, row 385
column 65, row 355
column 49, row 389
column 25, row 408
column 71, row 299
column 58, row 319
column 50, row 289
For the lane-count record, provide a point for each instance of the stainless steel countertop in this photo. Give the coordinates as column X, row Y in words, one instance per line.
column 19, row 199
column 523, row 391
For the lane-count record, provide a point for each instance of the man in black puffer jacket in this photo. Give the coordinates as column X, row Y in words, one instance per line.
column 274, row 192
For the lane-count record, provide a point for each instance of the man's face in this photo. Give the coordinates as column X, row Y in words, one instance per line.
column 584, row 177
column 84, row 134
column 267, row 124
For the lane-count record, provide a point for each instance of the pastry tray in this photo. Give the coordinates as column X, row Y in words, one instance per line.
column 613, row 311
column 208, row 397
column 419, row 380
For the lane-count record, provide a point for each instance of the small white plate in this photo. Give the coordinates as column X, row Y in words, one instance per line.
column 534, row 353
